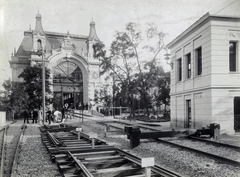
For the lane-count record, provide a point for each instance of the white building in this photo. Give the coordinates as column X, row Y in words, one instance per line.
column 205, row 75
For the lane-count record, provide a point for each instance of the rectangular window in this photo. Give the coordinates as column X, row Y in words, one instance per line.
column 188, row 66
column 198, row 55
column 179, row 64
column 232, row 56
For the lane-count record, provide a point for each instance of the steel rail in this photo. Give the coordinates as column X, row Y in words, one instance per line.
column 216, row 157
column 127, row 124
column 73, row 153
column 86, row 172
column 3, row 149
column 215, row 143
column 54, row 140
column 16, row 156
column 156, row 168
column 4, row 128
column 164, row 172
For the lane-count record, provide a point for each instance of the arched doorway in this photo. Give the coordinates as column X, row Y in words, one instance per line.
column 67, row 84
column 237, row 114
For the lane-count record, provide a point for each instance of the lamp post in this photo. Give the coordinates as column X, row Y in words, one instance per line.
column 168, row 59
column 61, row 90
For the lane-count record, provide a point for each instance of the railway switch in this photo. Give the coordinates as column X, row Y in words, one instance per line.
column 213, row 131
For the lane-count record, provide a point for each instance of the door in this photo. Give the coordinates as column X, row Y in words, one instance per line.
column 188, row 111
column 237, row 114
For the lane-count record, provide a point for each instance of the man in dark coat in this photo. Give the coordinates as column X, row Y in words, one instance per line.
column 35, row 116
column 49, row 116
column 25, row 116
column 63, row 112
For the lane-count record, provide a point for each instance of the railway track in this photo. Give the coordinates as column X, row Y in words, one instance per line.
column 10, row 136
column 224, row 153
column 217, row 144
column 86, row 155
column 3, row 132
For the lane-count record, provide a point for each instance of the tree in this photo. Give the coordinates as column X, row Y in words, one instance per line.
column 15, row 98
column 163, row 88
column 32, row 77
column 131, row 61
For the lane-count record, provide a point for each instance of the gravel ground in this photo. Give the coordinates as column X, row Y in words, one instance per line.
column 206, row 147
column 13, row 134
column 186, row 163
column 34, row 160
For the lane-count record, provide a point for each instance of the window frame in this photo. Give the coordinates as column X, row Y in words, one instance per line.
column 179, row 69
column 39, row 44
column 188, row 65
column 233, row 57
column 198, row 59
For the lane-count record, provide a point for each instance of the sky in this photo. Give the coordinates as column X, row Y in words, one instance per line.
column 170, row 16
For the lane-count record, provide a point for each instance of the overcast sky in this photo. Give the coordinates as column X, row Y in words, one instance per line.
column 171, row 16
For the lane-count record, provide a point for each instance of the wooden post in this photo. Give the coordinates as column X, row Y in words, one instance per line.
column 147, row 172
column 93, row 145
column 79, row 132
column 93, row 136
column 147, row 163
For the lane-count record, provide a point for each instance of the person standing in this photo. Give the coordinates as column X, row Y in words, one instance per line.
column 63, row 112
column 49, row 116
column 25, row 116
column 35, row 116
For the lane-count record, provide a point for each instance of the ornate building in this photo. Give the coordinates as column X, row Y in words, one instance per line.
column 74, row 71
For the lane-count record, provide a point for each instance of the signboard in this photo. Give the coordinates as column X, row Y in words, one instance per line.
column 93, row 135
column 147, row 162
column 66, row 105
column 79, row 129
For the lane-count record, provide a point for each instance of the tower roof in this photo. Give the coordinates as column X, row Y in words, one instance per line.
column 92, row 33
column 38, row 27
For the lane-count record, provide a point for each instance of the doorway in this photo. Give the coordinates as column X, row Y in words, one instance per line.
column 237, row 114
column 67, row 84
column 189, row 117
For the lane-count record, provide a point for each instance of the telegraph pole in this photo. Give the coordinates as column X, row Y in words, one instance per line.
column 43, row 81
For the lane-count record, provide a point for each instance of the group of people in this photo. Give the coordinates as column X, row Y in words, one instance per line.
column 33, row 115
column 84, row 106
column 30, row 115
column 51, row 115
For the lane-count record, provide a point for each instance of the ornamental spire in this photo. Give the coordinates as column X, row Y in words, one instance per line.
column 92, row 32
column 38, row 27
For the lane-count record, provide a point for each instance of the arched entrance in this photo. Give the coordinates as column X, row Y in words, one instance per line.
column 69, row 80
column 67, row 84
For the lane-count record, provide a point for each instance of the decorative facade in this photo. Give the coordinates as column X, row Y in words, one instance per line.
column 74, row 70
column 205, row 77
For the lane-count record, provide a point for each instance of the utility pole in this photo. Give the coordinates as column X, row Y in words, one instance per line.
column 42, row 52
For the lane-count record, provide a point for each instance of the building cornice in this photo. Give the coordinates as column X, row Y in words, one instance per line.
column 205, row 88
column 48, row 33
column 198, row 23
column 19, row 62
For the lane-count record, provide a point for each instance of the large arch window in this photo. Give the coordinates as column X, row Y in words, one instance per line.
column 68, row 71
